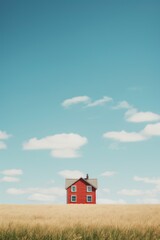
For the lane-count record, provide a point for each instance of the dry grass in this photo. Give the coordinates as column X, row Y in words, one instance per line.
column 79, row 222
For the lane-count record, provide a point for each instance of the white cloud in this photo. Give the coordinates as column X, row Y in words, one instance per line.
column 143, row 117
column 56, row 191
column 124, row 136
column 155, row 181
column 4, row 135
column 137, row 192
column 133, row 115
column 123, row 105
column 12, row 172
column 110, row 201
column 10, row 175
column 62, row 145
column 99, row 102
column 86, row 100
column 9, row 179
column 41, row 197
column 71, row 174
column 152, row 130
column 108, row 173
column 75, row 100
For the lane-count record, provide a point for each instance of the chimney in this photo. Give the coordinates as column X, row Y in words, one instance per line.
column 87, row 176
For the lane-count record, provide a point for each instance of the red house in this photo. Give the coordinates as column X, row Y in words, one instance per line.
column 81, row 191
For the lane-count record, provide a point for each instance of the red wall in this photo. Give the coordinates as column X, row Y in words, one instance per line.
column 81, row 193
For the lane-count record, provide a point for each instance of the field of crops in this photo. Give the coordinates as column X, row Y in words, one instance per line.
column 75, row 222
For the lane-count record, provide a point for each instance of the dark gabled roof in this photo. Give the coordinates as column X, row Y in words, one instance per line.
column 92, row 182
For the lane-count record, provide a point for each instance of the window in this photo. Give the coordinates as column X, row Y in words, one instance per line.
column 89, row 198
column 73, row 198
column 89, row 188
column 73, row 188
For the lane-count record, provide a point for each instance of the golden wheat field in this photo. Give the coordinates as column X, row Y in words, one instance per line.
column 79, row 222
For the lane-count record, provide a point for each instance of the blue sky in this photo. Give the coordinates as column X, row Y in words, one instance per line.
column 79, row 93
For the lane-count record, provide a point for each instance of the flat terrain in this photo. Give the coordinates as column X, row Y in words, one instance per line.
column 79, row 222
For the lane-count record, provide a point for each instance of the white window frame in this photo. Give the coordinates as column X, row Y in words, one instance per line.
column 89, row 188
column 90, row 197
column 74, row 187
column 75, row 197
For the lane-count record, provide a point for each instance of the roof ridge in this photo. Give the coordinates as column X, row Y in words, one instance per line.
column 81, row 177
column 91, row 181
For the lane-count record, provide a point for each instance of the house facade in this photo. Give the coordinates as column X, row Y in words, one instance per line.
column 81, row 191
